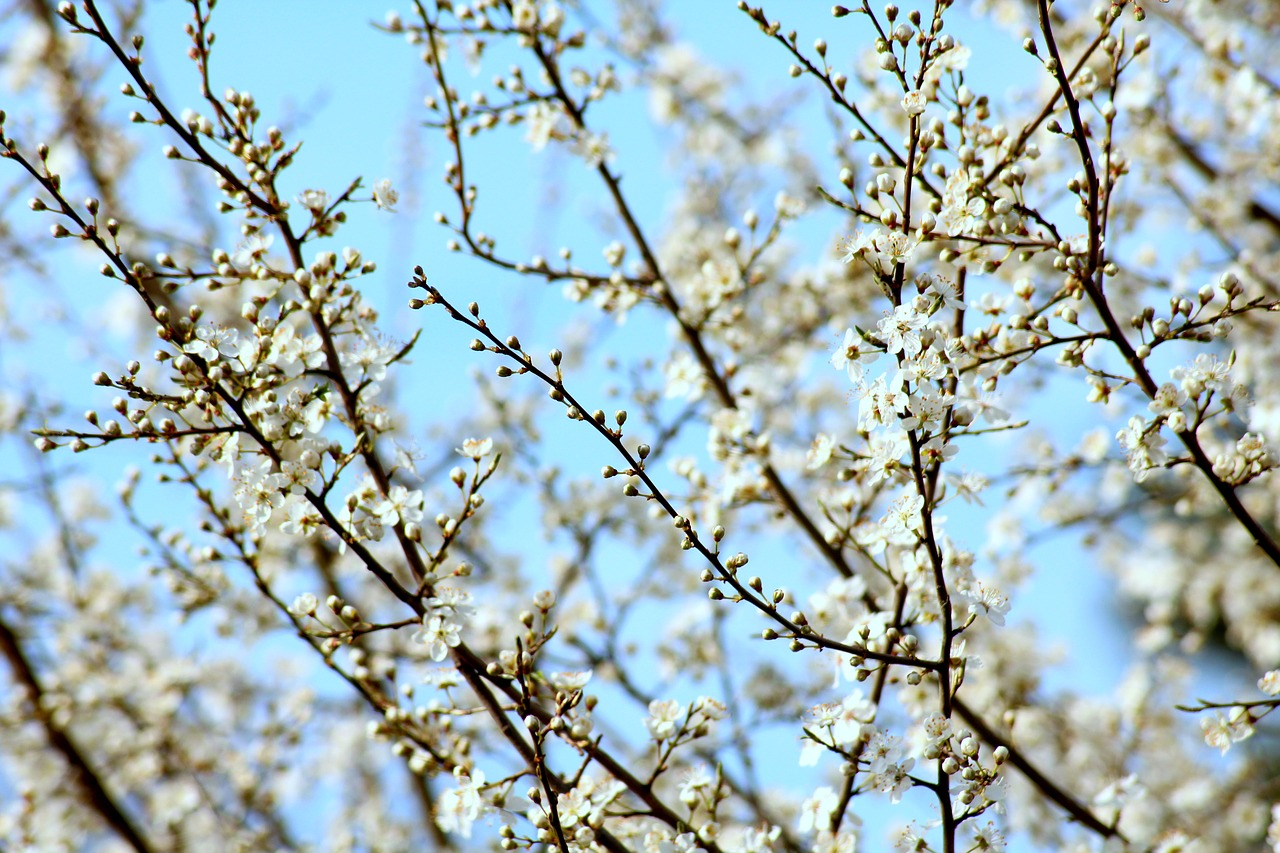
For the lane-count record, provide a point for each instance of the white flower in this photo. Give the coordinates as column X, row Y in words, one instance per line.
column 663, row 717
column 696, row 780
column 882, row 752
column 685, row 378
column 903, row 514
column 1221, row 731
column 316, row 201
column 788, row 206
column 297, row 478
column 301, row 520
column 880, row 404
column 913, row 103
column 252, row 249
column 453, row 602
column 935, row 451
column 685, row 842
column 543, row 125
column 1143, row 447
column 988, row 838
column 852, row 353
column 1270, row 683
column 1168, row 399
column 304, row 605
column 384, row 196
column 213, row 341
column 885, row 461
column 895, row 780
column 820, row 451
column 1273, row 831
column 524, row 15
column 476, row 448
column 989, row 600
column 294, row 353
column 369, row 357
column 569, row 681
column 594, row 148
column 401, row 505
column 955, row 59
column 458, row 808
column 815, row 813
column 552, row 18
column 857, row 245
column 1206, row 373
column 757, row 839
column 910, row 840
column 927, row 410
column 438, row 635
column 1120, row 792
column 897, row 247
column 258, row 495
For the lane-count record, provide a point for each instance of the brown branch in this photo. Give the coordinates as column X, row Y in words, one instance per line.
column 1091, row 278
column 88, row 779
column 1077, row 810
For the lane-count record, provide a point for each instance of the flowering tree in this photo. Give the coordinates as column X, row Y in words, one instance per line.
column 369, row 652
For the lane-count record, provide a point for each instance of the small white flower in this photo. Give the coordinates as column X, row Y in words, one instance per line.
column 401, row 505
column 1270, row 683
column 252, row 249
column 897, row 247
column 439, row 635
column 1221, row 731
column 384, row 196
column 476, row 448
column 594, row 148
column 820, row 451
column 852, row 354
column 316, row 201
column 913, row 103
column 663, row 717
column 569, row 681
column 213, row 341
column 458, row 808
column 857, row 245
column 900, row 330
column 304, row 605
column 988, row 838
column 1143, row 446
column 543, row 124
column 815, row 813
column 524, row 15
column 987, row 599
